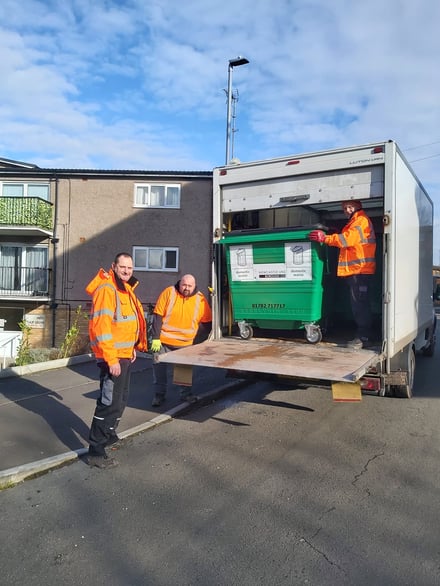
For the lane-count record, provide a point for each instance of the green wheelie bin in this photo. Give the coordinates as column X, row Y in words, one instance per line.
column 275, row 280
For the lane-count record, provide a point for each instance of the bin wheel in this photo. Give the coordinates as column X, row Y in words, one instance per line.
column 313, row 334
column 246, row 332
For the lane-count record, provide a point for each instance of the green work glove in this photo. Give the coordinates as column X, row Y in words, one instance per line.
column 156, row 345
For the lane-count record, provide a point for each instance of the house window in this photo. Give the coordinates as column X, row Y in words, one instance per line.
column 154, row 195
column 40, row 190
column 155, row 258
column 24, row 270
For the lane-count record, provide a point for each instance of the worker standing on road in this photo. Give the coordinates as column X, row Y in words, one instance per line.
column 357, row 264
column 117, row 329
column 181, row 312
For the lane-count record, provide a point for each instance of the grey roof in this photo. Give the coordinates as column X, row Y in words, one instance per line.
column 126, row 172
column 12, row 163
column 10, row 167
column 114, row 173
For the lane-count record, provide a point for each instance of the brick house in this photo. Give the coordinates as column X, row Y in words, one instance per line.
column 59, row 226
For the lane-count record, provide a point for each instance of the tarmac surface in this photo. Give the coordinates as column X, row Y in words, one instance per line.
column 46, row 410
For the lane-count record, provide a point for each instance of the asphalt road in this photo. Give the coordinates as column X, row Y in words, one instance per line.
column 273, row 485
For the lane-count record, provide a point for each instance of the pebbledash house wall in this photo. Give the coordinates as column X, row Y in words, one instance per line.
column 95, row 218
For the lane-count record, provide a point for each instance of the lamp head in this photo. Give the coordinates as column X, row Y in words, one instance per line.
column 238, row 61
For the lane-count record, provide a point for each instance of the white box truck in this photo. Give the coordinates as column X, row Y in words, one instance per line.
column 283, row 199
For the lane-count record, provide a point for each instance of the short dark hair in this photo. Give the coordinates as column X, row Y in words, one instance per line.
column 356, row 203
column 118, row 256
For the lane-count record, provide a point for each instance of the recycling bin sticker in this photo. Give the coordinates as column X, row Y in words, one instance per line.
column 297, row 265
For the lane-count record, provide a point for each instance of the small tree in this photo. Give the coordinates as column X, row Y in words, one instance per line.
column 24, row 348
column 72, row 339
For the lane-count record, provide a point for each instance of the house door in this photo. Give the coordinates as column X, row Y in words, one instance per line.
column 10, row 317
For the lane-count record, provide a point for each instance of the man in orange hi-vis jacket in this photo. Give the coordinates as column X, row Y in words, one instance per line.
column 357, row 264
column 117, row 329
column 180, row 314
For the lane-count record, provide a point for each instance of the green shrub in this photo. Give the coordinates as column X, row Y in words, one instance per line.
column 43, row 354
column 24, row 348
column 74, row 342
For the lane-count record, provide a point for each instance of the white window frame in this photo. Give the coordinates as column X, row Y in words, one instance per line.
column 26, row 188
column 160, row 250
column 146, row 200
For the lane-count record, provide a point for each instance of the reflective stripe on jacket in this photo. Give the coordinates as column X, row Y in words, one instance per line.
column 357, row 244
column 181, row 316
column 117, row 322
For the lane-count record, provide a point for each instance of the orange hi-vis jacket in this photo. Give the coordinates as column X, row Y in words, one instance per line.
column 181, row 316
column 357, row 244
column 117, row 323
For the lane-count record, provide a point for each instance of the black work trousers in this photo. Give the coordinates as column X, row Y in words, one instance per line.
column 360, row 304
column 110, row 406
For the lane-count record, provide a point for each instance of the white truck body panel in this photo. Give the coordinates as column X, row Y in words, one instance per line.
column 307, row 189
column 410, row 244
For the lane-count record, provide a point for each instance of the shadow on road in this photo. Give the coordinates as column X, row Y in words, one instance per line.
column 20, row 401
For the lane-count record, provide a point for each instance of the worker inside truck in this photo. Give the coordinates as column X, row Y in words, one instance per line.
column 356, row 265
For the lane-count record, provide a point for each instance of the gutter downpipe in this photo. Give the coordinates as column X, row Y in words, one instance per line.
column 54, row 240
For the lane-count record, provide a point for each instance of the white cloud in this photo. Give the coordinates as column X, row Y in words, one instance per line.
column 134, row 84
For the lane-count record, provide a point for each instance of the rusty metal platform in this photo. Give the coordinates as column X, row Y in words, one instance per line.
column 323, row 361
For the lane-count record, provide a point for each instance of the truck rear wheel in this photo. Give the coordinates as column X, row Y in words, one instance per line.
column 406, row 391
column 429, row 350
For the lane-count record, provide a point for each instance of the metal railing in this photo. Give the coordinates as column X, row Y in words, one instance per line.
column 9, row 343
column 25, row 281
column 26, row 211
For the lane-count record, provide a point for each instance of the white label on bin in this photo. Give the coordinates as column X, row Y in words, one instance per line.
column 297, row 265
column 242, row 262
column 298, row 257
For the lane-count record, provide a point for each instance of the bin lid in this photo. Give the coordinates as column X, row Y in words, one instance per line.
column 264, row 234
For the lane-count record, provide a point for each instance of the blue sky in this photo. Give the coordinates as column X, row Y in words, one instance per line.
column 140, row 84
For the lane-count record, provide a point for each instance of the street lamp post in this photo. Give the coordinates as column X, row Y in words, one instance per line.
column 232, row 63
